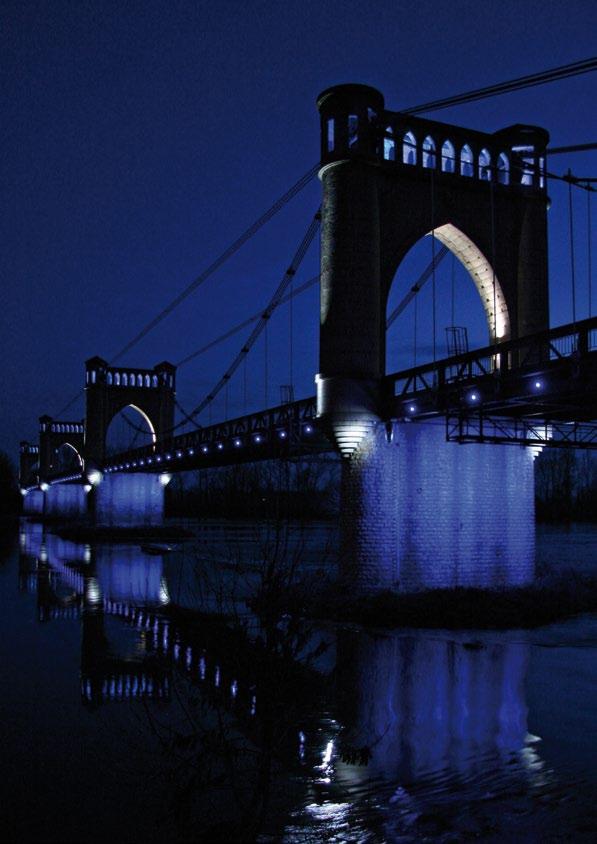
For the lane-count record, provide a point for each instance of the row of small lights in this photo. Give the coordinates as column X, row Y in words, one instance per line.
column 474, row 397
column 237, row 442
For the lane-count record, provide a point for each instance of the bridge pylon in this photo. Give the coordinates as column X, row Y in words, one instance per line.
column 389, row 179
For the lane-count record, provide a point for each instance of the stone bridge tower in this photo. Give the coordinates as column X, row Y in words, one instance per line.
column 109, row 389
column 389, row 179
column 54, row 435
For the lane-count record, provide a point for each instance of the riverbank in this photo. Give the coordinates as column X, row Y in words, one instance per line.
column 452, row 609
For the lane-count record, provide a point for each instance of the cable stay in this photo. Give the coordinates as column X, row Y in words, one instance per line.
column 263, row 319
column 232, row 331
column 425, row 276
column 529, row 81
column 573, row 148
column 220, row 260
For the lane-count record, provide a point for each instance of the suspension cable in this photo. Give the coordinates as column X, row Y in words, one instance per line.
column 425, row 275
column 296, row 291
column 572, row 263
column 220, row 260
column 589, row 254
column 433, row 285
column 415, row 333
column 528, row 81
column 452, row 289
column 492, row 211
column 272, row 305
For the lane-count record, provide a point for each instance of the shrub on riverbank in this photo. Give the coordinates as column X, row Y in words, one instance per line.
column 525, row 607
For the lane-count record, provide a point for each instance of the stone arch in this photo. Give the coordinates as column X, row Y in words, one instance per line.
column 105, row 401
column 138, row 431
column 479, row 268
column 70, row 450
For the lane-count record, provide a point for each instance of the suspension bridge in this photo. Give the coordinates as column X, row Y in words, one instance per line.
column 417, row 509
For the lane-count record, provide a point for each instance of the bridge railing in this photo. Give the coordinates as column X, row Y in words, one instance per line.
column 278, row 426
column 500, row 360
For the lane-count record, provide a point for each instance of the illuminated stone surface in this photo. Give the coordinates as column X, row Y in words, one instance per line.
column 67, row 500
column 422, row 513
column 134, row 500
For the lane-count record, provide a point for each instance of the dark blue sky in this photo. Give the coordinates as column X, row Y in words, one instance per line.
column 140, row 138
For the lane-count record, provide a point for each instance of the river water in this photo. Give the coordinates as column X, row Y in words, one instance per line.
column 142, row 700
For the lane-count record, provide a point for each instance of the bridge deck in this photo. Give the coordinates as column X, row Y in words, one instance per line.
column 545, row 384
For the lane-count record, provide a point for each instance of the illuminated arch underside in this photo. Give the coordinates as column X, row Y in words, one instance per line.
column 71, row 446
column 482, row 274
column 142, row 413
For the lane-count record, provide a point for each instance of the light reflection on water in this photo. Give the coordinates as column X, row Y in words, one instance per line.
column 393, row 736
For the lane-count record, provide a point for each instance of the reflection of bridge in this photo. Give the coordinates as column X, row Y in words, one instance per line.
column 405, row 709
column 406, row 713
column 388, row 180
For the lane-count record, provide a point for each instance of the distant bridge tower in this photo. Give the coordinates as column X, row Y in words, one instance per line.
column 57, row 436
column 109, row 389
column 389, row 179
column 28, row 463
column 124, row 499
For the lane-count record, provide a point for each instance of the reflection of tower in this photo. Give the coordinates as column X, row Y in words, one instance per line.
column 423, row 705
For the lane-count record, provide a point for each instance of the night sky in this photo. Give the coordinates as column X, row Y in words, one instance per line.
column 141, row 138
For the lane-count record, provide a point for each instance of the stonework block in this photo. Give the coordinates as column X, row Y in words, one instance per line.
column 421, row 513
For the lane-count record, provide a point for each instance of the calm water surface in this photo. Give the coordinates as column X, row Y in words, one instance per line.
column 132, row 709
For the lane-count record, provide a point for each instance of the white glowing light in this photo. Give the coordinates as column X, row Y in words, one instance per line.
column 92, row 591
column 24, row 492
column 44, row 486
column 205, row 449
column 165, row 478
column 237, row 443
column 538, row 385
column 349, row 435
column 164, row 595
column 482, row 274
column 308, row 429
column 220, row 446
column 94, row 477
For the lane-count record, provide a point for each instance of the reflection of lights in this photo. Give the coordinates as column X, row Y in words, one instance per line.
column 328, row 812
column 94, row 477
column 253, row 705
column 234, row 688
column 202, row 668
column 163, row 594
column 165, row 478
column 43, row 553
column 92, row 591
column 87, row 554
column 217, row 677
